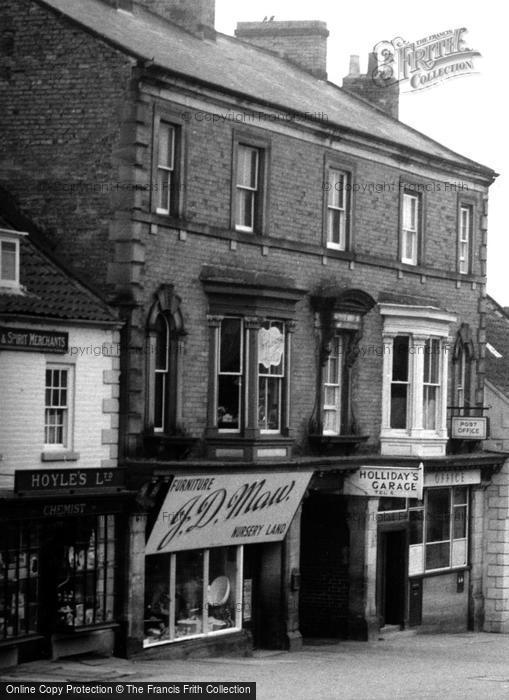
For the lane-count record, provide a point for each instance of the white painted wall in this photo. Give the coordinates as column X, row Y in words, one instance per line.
column 93, row 354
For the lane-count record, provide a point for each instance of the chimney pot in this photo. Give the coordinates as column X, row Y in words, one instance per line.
column 355, row 66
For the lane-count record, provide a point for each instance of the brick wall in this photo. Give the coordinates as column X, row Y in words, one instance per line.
column 496, row 561
column 95, row 389
column 63, row 96
column 324, row 567
column 75, row 119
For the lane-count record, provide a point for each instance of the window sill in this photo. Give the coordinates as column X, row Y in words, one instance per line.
column 168, row 447
column 60, row 456
column 86, row 629
column 441, row 572
column 250, row 449
column 336, row 445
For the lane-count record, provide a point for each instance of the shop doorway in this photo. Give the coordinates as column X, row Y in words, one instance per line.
column 251, row 609
column 392, row 577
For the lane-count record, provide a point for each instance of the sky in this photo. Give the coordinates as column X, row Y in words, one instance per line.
column 469, row 114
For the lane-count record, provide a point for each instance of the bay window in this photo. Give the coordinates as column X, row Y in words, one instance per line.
column 234, row 353
column 415, row 359
column 271, row 372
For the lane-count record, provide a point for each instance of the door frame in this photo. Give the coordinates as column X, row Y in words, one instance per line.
column 383, row 530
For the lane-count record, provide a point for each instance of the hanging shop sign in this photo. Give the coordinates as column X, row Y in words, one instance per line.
column 386, row 482
column 33, row 340
column 213, row 510
column 457, row 477
column 469, row 428
column 69, row 480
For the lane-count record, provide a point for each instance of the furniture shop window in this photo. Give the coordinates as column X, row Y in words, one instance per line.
column 9, row 262
column 439, row 530
column 19, row 580
column 400, row 383
column 248, row 188
column 230, row 358
column 192, row 594
column 465, row 238
column 333, row 385
column 338, row 200
column 271, row 372
column 85, row 571
column 410, row 230
column 58, row 404
column 431, row 383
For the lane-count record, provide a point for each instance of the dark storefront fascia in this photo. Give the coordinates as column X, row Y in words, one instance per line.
column 61, row 566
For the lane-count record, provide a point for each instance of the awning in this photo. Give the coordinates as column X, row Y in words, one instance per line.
column 213, row 510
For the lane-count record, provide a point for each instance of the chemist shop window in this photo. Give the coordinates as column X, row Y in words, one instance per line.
column 439, row 530
column 192, row 594
column 82, row 559
column 19, row 580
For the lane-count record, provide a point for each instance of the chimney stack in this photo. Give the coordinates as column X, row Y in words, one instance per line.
column 196, row 16
column 303, row 43
column 382, row 93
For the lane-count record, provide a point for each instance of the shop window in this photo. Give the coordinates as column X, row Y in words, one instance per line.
column 19, row 580
column 439, row 530
column 58, row 406
column 192, row 594
column 85, row 571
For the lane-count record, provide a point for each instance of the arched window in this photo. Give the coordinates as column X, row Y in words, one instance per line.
column 164, row 360
column 463, row 359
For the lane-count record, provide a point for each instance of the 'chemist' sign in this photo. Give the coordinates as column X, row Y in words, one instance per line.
column 386, row 482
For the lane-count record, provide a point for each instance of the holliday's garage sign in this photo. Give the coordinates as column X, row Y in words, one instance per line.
column 386, row 482
column 212, row 510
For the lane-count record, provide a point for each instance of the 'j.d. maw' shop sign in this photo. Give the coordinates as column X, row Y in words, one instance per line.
column 388, row 482
column 227, row 509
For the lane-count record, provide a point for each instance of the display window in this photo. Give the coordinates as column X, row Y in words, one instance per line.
column 19, row 580
column 84, row 570
column 192, row 593
column 439, row 530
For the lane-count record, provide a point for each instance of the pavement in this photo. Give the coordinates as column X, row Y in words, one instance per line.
column 402, row 665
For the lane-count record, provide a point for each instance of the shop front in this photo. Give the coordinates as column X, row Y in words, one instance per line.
column 396, row 544
column 214, row 560
column 59, row 563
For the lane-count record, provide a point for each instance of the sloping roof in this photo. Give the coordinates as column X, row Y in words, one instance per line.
column 233, row 65
column 497, row 335
column 49, row 291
